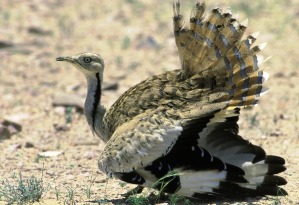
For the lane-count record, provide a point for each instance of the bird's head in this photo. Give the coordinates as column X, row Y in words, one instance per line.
column 88, row 63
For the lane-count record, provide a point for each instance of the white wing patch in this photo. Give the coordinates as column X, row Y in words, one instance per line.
column 206, row 181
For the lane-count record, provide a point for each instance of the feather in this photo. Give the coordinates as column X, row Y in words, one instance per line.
column 177, row 132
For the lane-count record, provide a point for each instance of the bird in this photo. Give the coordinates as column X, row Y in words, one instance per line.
column 178, row 131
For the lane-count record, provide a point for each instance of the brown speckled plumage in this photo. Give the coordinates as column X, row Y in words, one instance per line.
column 185, row 121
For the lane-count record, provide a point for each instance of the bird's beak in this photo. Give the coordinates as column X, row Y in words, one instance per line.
column 67, row 59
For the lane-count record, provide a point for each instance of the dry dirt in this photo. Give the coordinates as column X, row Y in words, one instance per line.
column 135, row 38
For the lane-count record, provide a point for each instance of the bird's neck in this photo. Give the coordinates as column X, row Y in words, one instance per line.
column 94, row 111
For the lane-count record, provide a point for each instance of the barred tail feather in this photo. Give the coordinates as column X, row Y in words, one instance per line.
column 212, row 47
column 258, row 181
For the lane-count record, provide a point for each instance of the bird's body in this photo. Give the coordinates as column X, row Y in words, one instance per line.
column 180, row 127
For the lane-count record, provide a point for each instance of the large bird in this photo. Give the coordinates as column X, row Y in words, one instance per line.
column 180, row 128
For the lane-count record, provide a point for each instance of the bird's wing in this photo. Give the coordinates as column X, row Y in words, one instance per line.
column 139, row 142
column 204, row 155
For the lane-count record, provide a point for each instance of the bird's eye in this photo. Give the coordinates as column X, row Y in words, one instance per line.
column 87, row 60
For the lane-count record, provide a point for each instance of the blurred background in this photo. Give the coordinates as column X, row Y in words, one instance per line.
column 136, row 40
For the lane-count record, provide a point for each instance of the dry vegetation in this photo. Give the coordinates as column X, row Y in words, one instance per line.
column 135, row 38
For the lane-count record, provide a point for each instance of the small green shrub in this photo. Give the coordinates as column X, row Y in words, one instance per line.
column 22, row 191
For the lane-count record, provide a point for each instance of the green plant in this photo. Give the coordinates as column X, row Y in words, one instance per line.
column 254, row 120
column 6, row 16
column 57, row 193
column 87, row 190
column 71, row 166
column 122, row 184
column 70, row 196
column 38, row 158
column 173, row 199
column 177, row 199
column 162, row 183
column 68, row 114
column 137, row 200
column 186, row 201
column 22, row 191
column 276, row 199
column 126, row 43
column 103, row 200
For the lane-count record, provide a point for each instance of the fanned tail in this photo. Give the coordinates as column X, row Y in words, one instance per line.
column 256, row 179
column 212, row 48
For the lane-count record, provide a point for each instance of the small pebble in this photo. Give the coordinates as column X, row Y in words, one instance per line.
column 4, row 132
column 61, row 128
column 89, row 155
column 28, row 145
column 50, row 153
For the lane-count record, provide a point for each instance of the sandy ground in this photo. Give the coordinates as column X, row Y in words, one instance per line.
column 135, row 39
